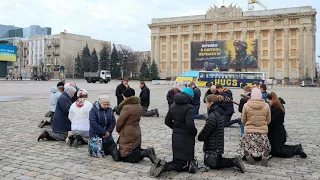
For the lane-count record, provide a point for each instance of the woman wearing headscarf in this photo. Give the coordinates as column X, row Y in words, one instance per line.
column 79, row 117
column 255, row 117
column 102, row 123
column 180, row 118
column 60, row 122
column 128, row 127
column 277, row 133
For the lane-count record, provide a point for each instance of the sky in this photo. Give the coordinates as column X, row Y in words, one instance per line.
column 119, row 21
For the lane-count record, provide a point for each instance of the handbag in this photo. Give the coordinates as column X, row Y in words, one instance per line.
column 95, row 147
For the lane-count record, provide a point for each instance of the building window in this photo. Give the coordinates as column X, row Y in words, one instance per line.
column 185, row 47
column 293, row 42
column 265, row 43
column 265, row 53
column 163, row 30
column 224, row 36
column 293, row 21
column 279, row 75
column 197, row 28
column 264, row 23
column 164, row 47
column 209, row 27
column 265, row 63
column 293, row 32
column 185, row 65
column 209, row 36
column 279, row 52
column 279, row 22
column 185, row 28
column 185, row 38
column 163, row 39
column 174, row 55
column 279, row 63
column 185, row 55
column 238, row 35
column 174, row 47
column 164, row 56
column 293, row 74
column 197, row 37
column 278, row 33
column 265, row 34
column 251, row 24
column 293, row 63
column 174, row 65
column 174, row 29
column 293, row 52
column 163, row 65
column 237, row 25
column 174, row 38
column 279, row 43
column 251, row 34
column 222, row 26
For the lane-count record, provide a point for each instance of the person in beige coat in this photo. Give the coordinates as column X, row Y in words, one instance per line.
column 256, row 116
column 128, row 127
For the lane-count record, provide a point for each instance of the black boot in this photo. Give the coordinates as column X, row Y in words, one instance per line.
column 158, row 167
column 299, row 151
column 114, row 152
column 149, row 153
column 77, row 141
column 193, row 167
column 70, row 140
column 249, row 158
column 157, row 112
column 43, row 135
column 238, row 164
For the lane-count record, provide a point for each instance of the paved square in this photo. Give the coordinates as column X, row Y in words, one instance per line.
column 22, row 157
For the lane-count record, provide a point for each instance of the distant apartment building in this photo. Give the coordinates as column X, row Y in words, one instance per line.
column 8, row 31
column 143, row 56
column 4, row 30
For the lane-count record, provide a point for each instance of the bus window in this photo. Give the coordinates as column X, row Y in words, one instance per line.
column 201, row 75
column 250, row 76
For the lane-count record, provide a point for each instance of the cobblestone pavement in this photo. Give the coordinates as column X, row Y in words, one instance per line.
column 22, row 157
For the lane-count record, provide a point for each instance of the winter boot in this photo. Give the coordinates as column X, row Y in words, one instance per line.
column 299, row 151
column 249, row 158
column 238, row 164
column 43, row 135
column 77, row 141
column 114, row 152
column 149, row 153
column 265, row 158
column 70, row 140
column 193, row 166
column 158, row 167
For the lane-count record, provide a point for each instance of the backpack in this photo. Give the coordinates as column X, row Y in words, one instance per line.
column 95, row 147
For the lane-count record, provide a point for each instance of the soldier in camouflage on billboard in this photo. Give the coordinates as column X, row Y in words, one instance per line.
column 243, row 60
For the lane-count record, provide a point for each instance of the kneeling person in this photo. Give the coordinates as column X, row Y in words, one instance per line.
column 213, row 136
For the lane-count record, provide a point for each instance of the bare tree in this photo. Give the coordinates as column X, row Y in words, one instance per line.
column 130, row 62
column 69, row 65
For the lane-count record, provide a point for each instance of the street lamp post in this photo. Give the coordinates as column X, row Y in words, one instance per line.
column 125, row 60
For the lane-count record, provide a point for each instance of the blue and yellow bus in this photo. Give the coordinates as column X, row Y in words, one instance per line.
column 230, row 79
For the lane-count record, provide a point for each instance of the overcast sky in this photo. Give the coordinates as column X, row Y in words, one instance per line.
column 119, row 21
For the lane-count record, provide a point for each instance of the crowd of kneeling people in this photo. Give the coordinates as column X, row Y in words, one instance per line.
column 75, row 120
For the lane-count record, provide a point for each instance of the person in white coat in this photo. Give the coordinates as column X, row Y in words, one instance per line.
column 79, row 118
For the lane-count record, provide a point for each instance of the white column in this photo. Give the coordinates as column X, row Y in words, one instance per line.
column 244, row 35
column 309, row 52
column 301, row 53
column 271, row 54
column 157, row 51
column 202, row 36
column 152, row 48
column 286, row 53
column 189, row 52
column 30, row 53
column 169, row 56
column 179, row 54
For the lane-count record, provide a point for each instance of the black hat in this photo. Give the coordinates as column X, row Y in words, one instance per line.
column 60, row 84
column 129, row 92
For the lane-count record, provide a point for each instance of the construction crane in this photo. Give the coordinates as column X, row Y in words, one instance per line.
column 252, row 2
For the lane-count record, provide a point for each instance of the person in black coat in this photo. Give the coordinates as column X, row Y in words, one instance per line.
column 180, row 119
column 171, row 93
column 211, row 90
column 213, row 136
column 120, row 89
column 245, row 97
column 196, row 101
column 145, row 101
column 60, row 122
column 277, row 133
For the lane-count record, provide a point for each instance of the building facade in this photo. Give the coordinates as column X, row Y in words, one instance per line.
column 285, row 39
column 9, row 31
column 4, row 30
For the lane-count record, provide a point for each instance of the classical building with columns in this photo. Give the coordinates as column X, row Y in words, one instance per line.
column 286, row 39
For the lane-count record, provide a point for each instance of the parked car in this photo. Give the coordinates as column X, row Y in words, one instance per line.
column 308, row 84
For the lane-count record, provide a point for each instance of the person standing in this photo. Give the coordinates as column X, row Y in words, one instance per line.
column 245, row 97
column 128, row 127
column 120, row 89
column 277, row 133
column 171, row 93
column 255, row 117
column 213, row 136
column 145, row 101
column 196, row 101
column 180, row 118
column 227, row 94
column 102, row 123
column 255, row 84
column 263, row 89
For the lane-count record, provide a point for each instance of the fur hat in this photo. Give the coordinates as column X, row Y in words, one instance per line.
column 129, row 92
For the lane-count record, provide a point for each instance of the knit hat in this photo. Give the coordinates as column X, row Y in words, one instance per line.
column 188, row 91
column 129, row 92
column 104, row 99
column 256, row 94
column 82, row 92
column 60, row 84
column 70, row 90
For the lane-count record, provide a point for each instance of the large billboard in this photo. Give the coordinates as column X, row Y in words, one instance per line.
column 224, row 55
column 8, row 53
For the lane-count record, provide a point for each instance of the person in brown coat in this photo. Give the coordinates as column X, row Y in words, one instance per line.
column 129, row 130
column 256, row 116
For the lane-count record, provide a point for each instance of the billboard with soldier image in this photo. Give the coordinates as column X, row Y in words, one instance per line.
column 224, row 55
